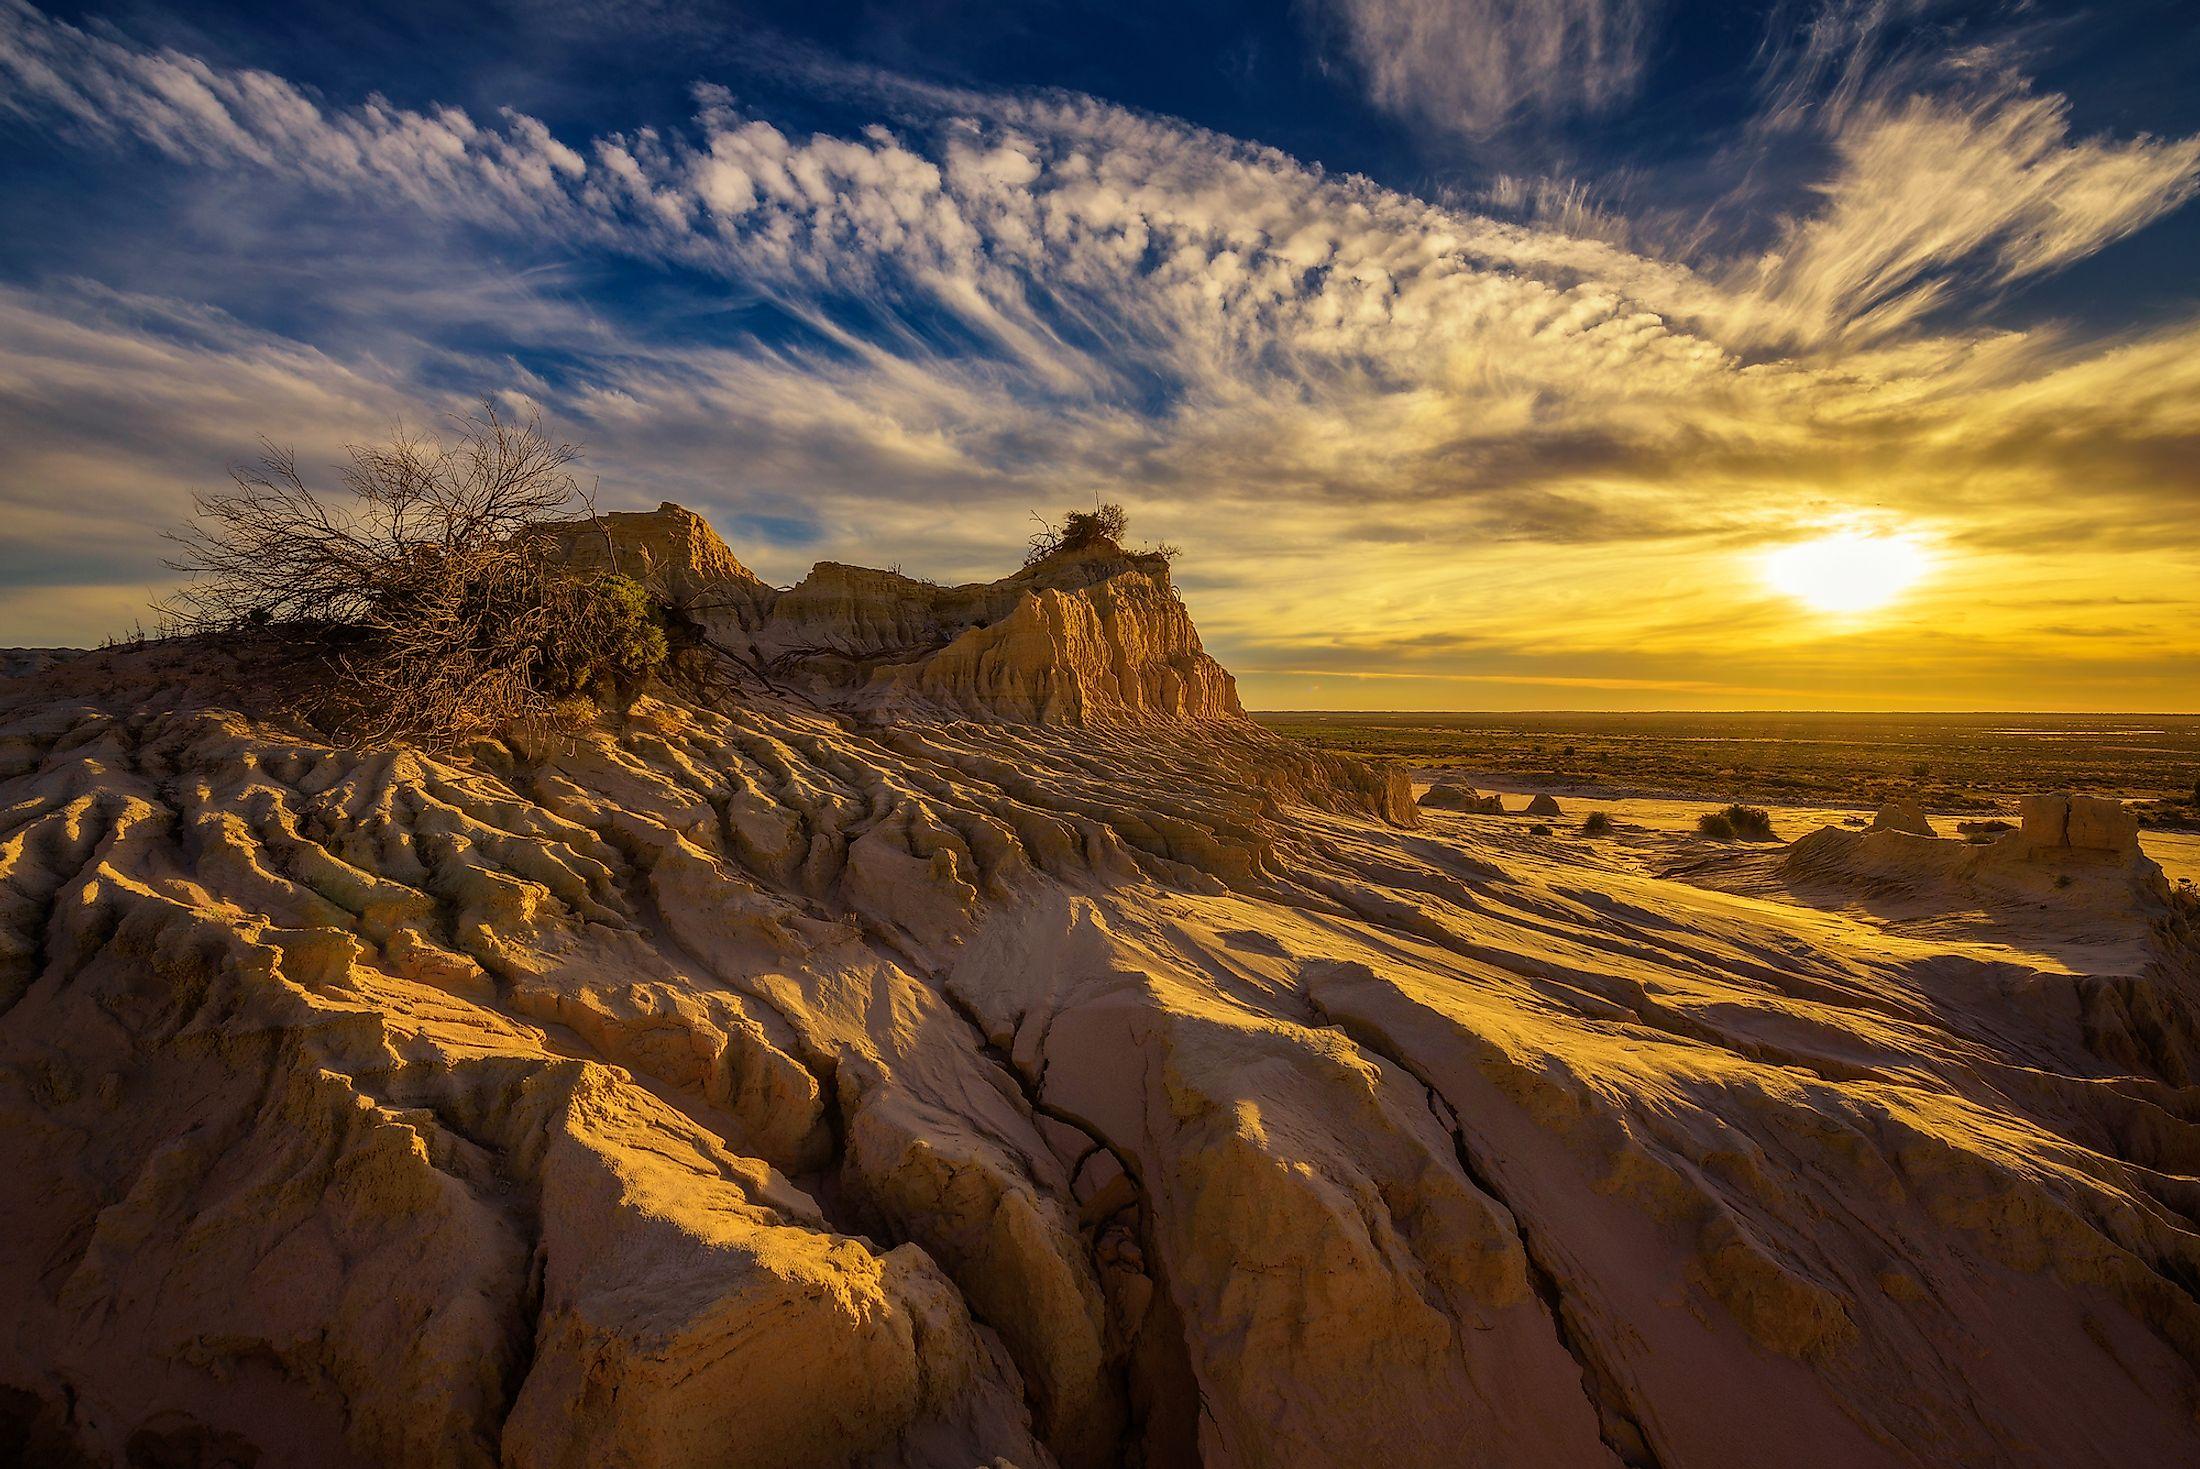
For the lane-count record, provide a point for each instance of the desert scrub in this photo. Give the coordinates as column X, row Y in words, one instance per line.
column 1737, row 823
column 611, row 642
column 421, row 603
column 1103, row 525
column 1596, row 824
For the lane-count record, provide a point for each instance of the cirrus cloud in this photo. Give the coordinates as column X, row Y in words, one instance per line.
column 1360, row 410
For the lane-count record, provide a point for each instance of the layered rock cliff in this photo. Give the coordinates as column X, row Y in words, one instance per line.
column 1088, row 635
column 751, row 1084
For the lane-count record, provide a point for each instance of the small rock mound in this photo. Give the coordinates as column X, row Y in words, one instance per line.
column 1904, row 816
column 2071, row 851
column 1445, row 796
column 22, row 662
column 1544, row 805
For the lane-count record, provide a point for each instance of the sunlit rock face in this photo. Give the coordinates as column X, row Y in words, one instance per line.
column 1093, row 635
column 671, row 549
column 2089, row 824
column 2077, row 852
column 754, row 1084
column 1446, row 796
column 1903, row 816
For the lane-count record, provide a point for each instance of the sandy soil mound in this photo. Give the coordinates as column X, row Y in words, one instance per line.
column 755, row 1085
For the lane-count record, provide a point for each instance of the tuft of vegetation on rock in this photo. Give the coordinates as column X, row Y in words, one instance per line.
column 1596, row 824
column 1077, row 530
column 1103, row 525
column 423, row 595
column 1714, row 824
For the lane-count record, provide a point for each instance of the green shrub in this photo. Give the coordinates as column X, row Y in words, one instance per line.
column 1714, row 824
column 608, row 641
column 1751, row 823
column 1596, row 824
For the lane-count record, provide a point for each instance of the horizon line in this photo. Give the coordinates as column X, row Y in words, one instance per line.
column 1857, row 713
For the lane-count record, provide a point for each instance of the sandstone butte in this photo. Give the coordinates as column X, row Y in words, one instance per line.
column 965, row 1039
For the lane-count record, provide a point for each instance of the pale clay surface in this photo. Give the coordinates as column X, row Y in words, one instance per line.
column 1088, row 1079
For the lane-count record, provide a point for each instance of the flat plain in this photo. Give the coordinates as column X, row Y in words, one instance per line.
column 1953, row 763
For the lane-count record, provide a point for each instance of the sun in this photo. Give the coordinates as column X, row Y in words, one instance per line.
column 1847, row 572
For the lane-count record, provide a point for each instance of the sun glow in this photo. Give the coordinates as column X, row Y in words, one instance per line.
column 1848, row 572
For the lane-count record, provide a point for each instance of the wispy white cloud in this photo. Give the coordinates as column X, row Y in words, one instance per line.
column 1930, row 194
column 1475, row 67
column 102, row 87
column 1948, row 172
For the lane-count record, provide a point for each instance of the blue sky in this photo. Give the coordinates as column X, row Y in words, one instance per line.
column 1475, row 353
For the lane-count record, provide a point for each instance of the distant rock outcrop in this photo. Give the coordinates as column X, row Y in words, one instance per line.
column 1445, row 796
column 2074, row 824
column 1545, row 805
column 19, row 662
column 1905, row 816
column 1093, row 634
column 2072, row 851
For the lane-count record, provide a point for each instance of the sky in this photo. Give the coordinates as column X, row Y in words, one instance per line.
column 1482, row 354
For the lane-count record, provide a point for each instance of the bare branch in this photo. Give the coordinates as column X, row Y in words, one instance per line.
column 426, row 580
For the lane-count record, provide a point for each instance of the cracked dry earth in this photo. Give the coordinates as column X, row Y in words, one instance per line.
column 761, row 1087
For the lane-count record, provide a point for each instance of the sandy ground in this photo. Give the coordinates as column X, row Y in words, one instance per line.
column 1655, row 844
column 2178, row 852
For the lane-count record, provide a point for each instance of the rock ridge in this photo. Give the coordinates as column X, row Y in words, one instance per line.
column 1089, row 635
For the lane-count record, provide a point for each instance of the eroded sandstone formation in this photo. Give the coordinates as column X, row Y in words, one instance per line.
column 1089, row 635
column 1902, row 815
column 1446, row 796
column 2079, row 851
column 754, row 1085
column 2053, row 824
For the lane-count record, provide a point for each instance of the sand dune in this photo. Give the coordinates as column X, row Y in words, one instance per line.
column 974, row 1043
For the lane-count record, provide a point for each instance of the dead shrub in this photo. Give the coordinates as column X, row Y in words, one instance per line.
column 1103, row 525
column 1077, row 530
column 422, row 592
column 1750, row 823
